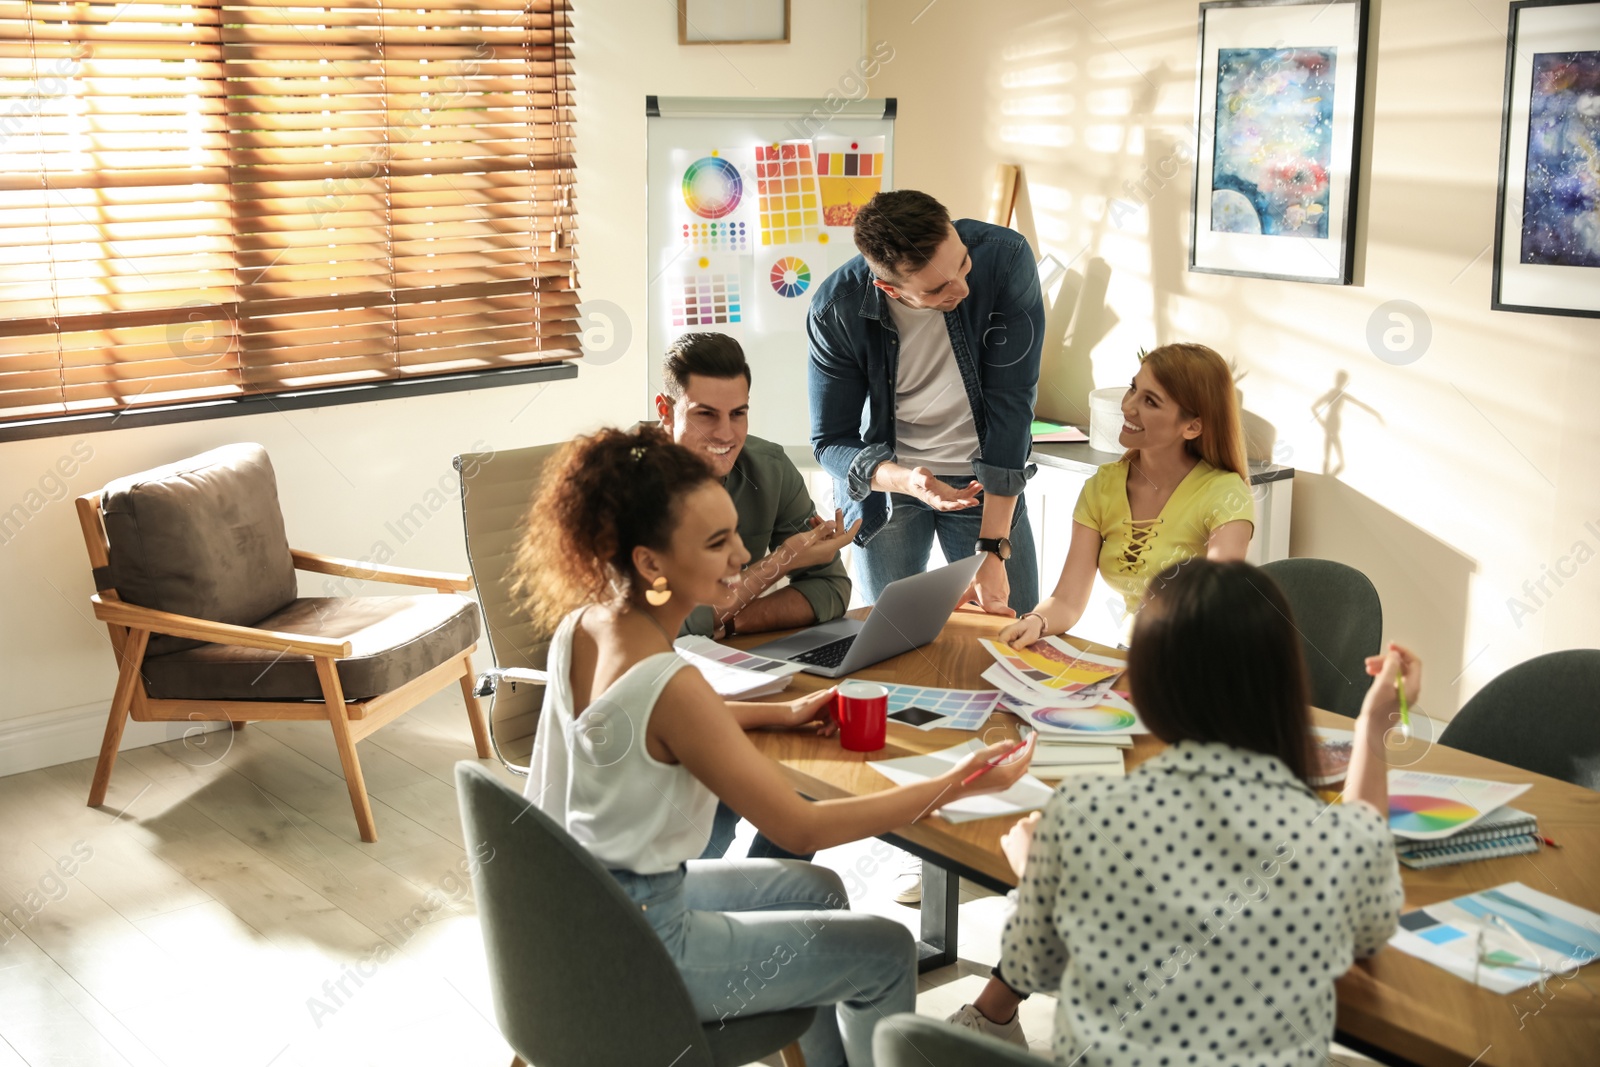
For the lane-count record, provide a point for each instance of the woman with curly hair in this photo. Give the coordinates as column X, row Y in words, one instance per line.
column 628, row 534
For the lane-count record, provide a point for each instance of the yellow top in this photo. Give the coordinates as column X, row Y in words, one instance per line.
column 1131, row 553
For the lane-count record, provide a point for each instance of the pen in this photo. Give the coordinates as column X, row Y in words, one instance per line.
column 1405, row 712
column 1547, row 841
column 992, row 764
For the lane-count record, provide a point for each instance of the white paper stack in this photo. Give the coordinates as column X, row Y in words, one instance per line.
column 1028, row 794
column 736, row 675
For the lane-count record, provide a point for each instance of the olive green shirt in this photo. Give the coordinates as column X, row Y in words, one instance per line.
column 773, row 505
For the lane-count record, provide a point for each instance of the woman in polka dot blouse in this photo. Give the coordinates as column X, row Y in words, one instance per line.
column 1198, row 910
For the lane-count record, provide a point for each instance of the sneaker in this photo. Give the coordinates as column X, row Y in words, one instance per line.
column 970, row 1018
column 908, row 883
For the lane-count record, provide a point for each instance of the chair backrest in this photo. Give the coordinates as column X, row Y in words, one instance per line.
column 1542, row 716
column 1340, row 619
column 496, row 488
column 577, row 974
column 201, row 537
column 910, row 1040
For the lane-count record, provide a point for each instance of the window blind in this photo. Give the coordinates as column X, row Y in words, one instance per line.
column 216, row 199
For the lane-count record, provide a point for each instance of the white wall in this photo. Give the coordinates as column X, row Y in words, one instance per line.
column 1475, row 467
column 346, row 472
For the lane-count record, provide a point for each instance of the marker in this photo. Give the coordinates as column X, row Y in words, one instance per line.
column 992, row 764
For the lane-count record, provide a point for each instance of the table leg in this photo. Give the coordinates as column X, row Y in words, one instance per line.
column 941, row 895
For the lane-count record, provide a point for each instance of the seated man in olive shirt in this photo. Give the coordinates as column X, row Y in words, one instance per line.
column 705, row 405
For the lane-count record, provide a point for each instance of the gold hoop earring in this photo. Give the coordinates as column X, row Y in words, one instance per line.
column 658, row 593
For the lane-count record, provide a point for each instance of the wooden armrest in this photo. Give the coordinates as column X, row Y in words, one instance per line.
column 135, row 617
column 443, row 581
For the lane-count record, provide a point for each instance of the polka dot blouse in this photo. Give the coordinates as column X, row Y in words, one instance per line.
column 1198, row 911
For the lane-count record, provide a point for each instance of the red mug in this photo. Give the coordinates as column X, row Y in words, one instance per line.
column 862, row 709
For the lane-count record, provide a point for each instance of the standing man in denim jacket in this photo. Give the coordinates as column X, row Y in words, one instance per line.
column 924, row 357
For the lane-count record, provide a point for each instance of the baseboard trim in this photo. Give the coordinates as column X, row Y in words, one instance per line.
column 65, row 735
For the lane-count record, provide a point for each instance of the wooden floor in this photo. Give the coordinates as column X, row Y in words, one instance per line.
column 220, row 909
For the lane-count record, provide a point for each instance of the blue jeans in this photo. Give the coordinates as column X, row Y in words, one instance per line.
column 765, row 935
column 902, row 547
column 726, row 825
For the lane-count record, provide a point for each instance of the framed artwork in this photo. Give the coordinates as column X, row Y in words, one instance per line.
column 1547, row 214
column 1277, row 136
column 733, row 21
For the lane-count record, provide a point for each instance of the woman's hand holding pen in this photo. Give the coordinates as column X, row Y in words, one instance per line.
column 991, row 770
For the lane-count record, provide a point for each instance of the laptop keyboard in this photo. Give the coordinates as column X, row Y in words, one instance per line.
column 829, row 655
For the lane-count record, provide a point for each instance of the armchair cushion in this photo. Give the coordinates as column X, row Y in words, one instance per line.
column 201, row 537
column 393, row 639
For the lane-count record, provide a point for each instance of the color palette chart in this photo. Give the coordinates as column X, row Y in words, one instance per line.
column 1413, row 814
column 962, row 709
column 1049, row 668
column 1086, row 720
column 706, row 298
column 790, row 276
column 1502, row 939
column 716, row 236
column 849, row 173
column 786, row 187
column 1426, row 806
column 712, row 187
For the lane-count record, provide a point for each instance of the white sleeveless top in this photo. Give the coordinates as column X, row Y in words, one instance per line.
column 594, row 775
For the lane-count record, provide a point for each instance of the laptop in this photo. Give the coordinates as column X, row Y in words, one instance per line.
column 908, row 615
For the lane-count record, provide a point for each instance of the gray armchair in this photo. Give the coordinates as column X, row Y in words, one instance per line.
column 197, row 585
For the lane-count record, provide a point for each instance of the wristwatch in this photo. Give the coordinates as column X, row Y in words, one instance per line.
column 1000, row 546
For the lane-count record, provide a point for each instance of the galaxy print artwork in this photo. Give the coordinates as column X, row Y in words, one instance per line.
column 1274, row 141
column 1561, row 205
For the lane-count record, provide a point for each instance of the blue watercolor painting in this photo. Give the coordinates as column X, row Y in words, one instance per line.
column 1274, row 141
column 1561, row 205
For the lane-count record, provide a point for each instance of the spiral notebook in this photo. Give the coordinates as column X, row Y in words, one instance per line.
column 1507, row 831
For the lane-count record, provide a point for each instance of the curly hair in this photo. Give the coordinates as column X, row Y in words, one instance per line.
column 599, row 498
column 898, row 232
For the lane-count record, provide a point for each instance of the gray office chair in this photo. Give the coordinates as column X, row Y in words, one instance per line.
column 578, row 976
column 496, row 489
column 1542, row 716
column 1341, row 623
column 909, row 1040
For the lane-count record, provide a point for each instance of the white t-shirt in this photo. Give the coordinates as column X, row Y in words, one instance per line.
column 932, row 418
column 594, row 775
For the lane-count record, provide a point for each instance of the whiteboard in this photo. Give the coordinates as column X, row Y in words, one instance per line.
column 749, row 207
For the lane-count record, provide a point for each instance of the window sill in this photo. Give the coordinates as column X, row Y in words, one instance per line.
column 63, row 425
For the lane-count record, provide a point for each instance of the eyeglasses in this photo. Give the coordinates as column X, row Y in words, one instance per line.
column 1500, row 958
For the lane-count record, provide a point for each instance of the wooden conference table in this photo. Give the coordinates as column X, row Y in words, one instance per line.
column 1393, row 1003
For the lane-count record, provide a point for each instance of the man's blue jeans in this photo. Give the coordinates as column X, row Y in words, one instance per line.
column 752, row 936
column 904, row 544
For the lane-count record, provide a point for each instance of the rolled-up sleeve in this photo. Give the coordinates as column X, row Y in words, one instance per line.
column 1008, row 356
column 826, row 586
column 837, row 386
column 1032, row 954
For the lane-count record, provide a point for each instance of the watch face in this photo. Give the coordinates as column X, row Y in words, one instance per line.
column 1000, row 546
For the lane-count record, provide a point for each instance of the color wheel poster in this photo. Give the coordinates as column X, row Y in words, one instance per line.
column 749, row 213
column 1425, row 807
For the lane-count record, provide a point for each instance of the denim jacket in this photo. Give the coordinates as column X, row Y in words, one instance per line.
column 997, row 333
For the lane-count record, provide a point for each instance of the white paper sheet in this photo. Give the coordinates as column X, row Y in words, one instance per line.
column 1028, row 794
